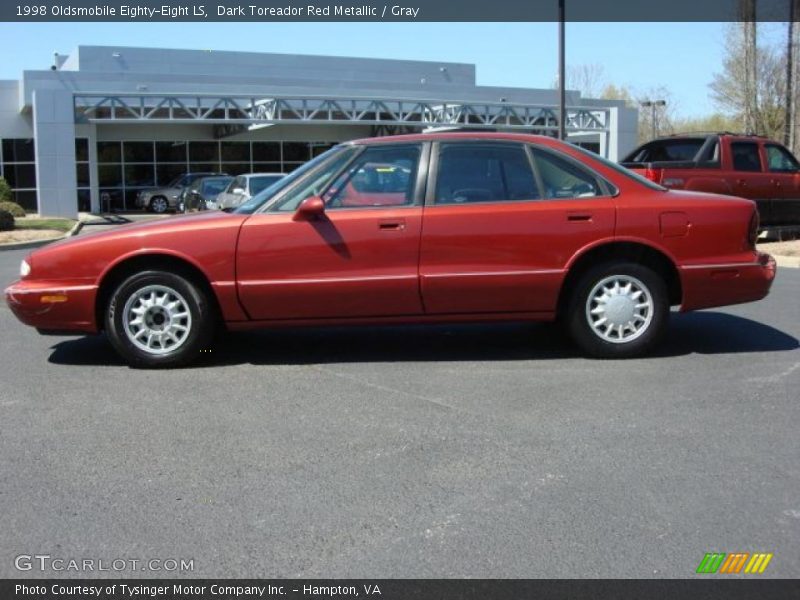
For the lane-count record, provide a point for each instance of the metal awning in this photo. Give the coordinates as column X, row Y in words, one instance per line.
column 244, row 110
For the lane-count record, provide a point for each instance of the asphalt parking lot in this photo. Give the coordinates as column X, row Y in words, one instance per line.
column 476, row 451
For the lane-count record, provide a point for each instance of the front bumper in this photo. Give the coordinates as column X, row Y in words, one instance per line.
column 64, row 306
column 709, row 285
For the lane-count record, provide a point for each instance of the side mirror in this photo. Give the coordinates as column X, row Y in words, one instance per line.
column 310, row 208
column 238, row 191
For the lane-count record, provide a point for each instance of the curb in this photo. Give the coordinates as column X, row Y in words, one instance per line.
column 38, row 243
column 792, row 262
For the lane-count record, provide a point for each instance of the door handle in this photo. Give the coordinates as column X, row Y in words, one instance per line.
column 741, row 182
column 392, row 224
column 578, row 217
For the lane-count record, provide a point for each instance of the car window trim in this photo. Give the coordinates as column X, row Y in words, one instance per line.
column 608, row 189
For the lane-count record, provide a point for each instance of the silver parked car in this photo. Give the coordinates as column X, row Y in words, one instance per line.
column 244, row 187
column 160, row 200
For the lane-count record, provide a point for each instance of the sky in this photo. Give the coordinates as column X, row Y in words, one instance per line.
column 682, row 57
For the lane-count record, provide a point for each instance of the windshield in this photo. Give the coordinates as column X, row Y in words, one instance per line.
column 178, row 182
column 257, row 201
column 621, row 170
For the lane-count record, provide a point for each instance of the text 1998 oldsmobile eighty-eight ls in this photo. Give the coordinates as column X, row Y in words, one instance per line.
column 410, row 229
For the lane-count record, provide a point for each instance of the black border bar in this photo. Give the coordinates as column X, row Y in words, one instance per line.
column 701, row 588
column 389, row 10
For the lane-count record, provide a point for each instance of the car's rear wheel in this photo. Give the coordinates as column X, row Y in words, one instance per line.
column 618, row 310
column 159, row 204
column 159, row 319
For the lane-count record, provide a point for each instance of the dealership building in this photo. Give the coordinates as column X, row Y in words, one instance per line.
column 89, row 131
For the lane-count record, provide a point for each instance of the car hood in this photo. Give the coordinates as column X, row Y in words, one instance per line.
column 192, row 237
column 163, row 191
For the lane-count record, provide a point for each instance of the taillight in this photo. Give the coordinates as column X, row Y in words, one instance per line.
column 653, row 174
column 752, row 233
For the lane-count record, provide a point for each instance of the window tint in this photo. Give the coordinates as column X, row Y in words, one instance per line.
column 213, row 187
column 259, row 183
column 484, row 173
column 745, row 156
column 562, row 178
column 667, row 150
column 780, row 159
column 380, row 176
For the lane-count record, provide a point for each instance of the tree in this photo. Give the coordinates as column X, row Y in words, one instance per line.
column 659, row 118
column 756, row 100
column 588, row 79
column 5, row 191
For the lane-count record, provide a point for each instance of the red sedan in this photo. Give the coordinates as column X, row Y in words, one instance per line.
column 457, row 227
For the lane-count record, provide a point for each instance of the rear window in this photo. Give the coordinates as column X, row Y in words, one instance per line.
column 746, row 156
column 622, row 170
column 667, row 151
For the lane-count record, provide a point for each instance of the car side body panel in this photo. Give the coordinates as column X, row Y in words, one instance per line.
column 418, row 263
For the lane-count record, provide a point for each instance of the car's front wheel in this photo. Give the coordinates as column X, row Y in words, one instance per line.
column 159, row 319
column 618, row 310
column 159, row 205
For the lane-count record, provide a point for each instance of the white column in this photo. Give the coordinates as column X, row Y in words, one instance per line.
column 54, row 136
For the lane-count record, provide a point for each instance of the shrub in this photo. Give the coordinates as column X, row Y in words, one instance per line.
column 6, row 221
column 15, row 209
column 5, row 191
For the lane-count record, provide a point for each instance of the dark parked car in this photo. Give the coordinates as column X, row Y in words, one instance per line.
column 160, row 200
column 202, row 194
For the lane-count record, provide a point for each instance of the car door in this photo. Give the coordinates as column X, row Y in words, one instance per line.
column 501, row 222
column 355, row 260
column 750, row 180
column 784, row 173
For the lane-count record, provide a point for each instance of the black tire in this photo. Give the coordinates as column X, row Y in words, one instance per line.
column 158, row 205
column 633, row 341
column 186, row 297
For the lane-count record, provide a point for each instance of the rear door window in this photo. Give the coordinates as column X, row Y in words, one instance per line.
column 562, row 178
column 745, row 156
column 474, row 172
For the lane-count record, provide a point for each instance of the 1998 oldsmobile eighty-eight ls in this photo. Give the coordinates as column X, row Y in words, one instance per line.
column 410, row 229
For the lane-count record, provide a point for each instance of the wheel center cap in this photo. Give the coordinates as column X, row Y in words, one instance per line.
column 157, row 319
column 620, row 310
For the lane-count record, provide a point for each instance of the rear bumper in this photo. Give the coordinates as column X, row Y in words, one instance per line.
column 62, row 306
column 709, row 285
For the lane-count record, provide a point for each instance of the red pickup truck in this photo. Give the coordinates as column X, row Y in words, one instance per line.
column 738, row 165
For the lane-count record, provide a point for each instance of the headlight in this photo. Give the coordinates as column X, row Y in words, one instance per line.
column 24, row 269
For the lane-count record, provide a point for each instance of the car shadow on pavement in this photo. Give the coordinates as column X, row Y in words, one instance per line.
column 704, row 332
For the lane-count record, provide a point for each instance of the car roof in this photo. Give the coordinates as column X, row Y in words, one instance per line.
column 215, row 177
column 456, row 135
column 262, row 175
